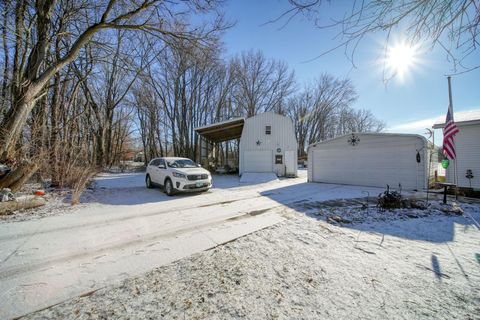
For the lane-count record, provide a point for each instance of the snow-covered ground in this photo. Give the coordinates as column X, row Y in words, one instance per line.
column 374, row 265
column 304, row 268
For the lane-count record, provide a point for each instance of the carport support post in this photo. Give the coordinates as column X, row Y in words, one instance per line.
column 217, row 154
column 200, row 149
column 226, row 154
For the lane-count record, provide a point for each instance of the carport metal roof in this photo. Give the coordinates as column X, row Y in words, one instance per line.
column 222, row 131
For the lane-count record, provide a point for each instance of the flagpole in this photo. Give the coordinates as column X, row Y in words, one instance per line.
column 449, row 78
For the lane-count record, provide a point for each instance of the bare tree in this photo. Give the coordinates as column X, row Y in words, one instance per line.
column 262, row 84
column 323, row 110
column 71, row 26
column 452, row 25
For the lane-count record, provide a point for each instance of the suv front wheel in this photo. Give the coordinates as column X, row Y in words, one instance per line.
column 169, row 190
column 148, row 182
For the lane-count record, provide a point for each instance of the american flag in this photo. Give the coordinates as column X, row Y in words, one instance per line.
column 449, row 131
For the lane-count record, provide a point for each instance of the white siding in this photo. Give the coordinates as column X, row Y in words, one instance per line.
column 378, row 160
column 467, row 146
column 282, row 137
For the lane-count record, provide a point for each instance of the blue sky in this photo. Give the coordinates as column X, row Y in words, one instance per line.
column 405, row 106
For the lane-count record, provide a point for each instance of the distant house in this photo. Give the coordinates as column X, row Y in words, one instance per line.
column 373, row 159
column 267, row 142
column 467, row 146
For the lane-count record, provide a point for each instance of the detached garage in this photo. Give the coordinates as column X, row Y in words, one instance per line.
column 371, row 159
column 268, row 144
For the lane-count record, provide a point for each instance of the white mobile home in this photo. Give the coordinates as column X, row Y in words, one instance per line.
column 267, row 142
column 372, row 159
column 467, row 147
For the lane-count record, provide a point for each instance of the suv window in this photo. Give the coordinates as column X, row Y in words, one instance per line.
column 161, row 162
column 154, row 162
column 182, row 163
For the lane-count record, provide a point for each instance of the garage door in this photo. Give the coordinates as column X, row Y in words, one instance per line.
column 258, row 161
column 368, row 167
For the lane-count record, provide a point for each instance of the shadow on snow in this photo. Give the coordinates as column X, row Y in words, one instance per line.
column 437, row 228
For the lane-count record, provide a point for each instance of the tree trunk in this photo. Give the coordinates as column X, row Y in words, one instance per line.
column 12, row 127
column 25, row 202
column 6, row 56
column 26, row 175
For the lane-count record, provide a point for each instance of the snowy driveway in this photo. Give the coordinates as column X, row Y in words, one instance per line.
column 125, row 230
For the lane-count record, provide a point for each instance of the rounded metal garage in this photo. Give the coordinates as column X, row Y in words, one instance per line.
column 268, row 144
column 371, row 159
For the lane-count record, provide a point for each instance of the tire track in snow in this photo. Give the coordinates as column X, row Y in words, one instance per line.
column 119, row 245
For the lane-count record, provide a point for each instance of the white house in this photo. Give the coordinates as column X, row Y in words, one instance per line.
column 372, row 159
column 267, row 142
column 467, row 147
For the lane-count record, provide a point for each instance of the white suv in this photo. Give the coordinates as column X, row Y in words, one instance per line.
column 177, row 174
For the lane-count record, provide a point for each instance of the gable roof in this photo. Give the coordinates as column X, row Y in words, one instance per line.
column 461, row 118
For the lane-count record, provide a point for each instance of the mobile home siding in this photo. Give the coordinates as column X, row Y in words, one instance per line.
column 282, row 137
column 467, row 146
column 377, row 160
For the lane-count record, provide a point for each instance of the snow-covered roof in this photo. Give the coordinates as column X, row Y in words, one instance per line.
column 462, row 117
column 229, row 121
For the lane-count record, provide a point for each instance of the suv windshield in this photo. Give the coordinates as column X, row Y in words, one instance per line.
column 182, row 163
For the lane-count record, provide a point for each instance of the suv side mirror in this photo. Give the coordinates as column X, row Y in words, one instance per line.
column 162, row 166
column 199, row 165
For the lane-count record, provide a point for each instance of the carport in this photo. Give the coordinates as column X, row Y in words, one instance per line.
column 264, row 143
column 211, row 136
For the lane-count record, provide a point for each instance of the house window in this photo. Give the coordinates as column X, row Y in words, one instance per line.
column 268, row 129
column 278, row 159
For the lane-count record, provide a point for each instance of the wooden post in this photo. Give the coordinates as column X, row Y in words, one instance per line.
column 226, row 154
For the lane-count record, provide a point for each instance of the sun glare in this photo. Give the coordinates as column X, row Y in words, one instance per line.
column 400, row 59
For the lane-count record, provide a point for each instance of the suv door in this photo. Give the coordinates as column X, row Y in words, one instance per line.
column 153, row 170
column 162, row 171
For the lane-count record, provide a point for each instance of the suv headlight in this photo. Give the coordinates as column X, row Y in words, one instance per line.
column 179, row 175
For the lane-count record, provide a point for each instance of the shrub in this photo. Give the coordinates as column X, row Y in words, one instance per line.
column 389, row 199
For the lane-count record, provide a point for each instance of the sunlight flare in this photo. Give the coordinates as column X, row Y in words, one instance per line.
column 400, row 59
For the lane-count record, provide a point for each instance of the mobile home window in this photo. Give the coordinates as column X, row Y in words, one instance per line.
column 268, row 129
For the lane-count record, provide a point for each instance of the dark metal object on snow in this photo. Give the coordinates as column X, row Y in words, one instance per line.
column 445, row 186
